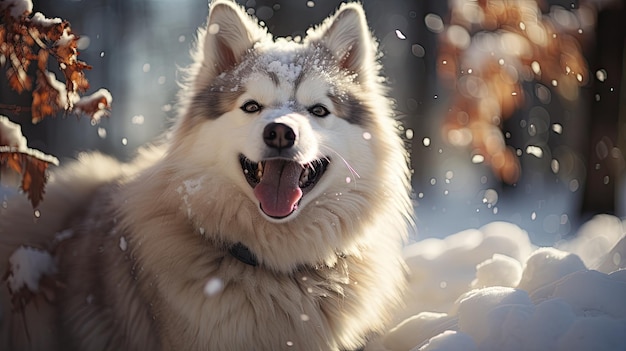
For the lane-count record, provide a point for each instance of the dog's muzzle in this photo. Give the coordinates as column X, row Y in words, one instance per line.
column 278, row 181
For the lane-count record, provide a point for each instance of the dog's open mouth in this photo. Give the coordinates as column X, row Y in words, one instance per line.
column 279, row 184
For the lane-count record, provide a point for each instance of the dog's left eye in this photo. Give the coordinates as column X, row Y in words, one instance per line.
column 251, row 107
column 319, row 110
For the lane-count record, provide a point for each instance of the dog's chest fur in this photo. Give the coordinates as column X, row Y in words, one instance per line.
column 196, row 294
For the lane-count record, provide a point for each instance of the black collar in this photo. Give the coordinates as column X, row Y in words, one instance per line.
column 243, row 254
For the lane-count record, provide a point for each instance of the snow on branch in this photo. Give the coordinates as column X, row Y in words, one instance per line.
column 95, row 104
column 26, row 40
column 31, row 164
column 28, row 45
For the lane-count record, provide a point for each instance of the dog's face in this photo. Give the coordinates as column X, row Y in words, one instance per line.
column 286, row 122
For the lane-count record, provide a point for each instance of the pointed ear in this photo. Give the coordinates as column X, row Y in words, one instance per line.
column 230, row 33
column 348, row 37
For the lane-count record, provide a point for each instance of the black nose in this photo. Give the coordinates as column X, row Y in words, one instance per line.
column 279, row 136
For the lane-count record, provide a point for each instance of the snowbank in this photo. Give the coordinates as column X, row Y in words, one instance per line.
column 491, row 289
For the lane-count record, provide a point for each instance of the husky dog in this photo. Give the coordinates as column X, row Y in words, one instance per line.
column 271, row 218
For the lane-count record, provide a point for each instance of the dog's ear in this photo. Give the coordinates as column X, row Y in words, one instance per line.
column 230, row 33
column 348, row 37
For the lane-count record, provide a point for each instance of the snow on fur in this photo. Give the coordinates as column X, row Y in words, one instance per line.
column 27, row 266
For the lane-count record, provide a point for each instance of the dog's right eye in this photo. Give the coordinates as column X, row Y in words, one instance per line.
column 251, row 107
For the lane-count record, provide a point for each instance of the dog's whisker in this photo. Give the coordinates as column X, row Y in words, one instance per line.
column 354, row 173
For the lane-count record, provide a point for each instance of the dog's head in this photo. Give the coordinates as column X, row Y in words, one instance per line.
column 288, row 133
column 285, row 120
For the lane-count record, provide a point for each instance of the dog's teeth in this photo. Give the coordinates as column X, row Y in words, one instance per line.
column 259, row 170
column 304, row 177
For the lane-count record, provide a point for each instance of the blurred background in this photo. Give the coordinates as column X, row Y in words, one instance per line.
column 513, row 110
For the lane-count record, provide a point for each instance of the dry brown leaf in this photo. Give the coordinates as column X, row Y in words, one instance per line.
column 25, row 39
column 46, row 98
column 31, row 165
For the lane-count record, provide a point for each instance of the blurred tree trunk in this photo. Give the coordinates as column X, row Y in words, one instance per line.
column 607, row 121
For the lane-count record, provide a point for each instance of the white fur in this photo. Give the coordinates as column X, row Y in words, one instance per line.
column 328, row 274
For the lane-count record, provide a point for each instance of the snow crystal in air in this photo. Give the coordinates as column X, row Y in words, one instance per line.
column 123, row 244
column 458, row 36
column 400, row 35
column 63, row 235
column 102, row 133
column 83, row 42
column 418, row 50
column 478, row 159
column 555, row 166
column 213, row 287
column 138, row 119
column 409, row 134
column 490, row 197
column 534, row 150
column 434, row 23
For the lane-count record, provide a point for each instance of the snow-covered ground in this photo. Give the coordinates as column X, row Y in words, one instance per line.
column 492, row 289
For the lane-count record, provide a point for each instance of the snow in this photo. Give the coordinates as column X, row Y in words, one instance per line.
column 18, row 7
column 12, row 140
column 59, row 87
column 11, row 134
column 65, row 39
column 213, row 287
column 492, row 289
column 27, row 266
column 123, row 244
column 41, row 20
column 102, row 97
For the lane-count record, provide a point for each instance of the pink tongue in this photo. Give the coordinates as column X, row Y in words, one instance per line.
column 279, row 189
